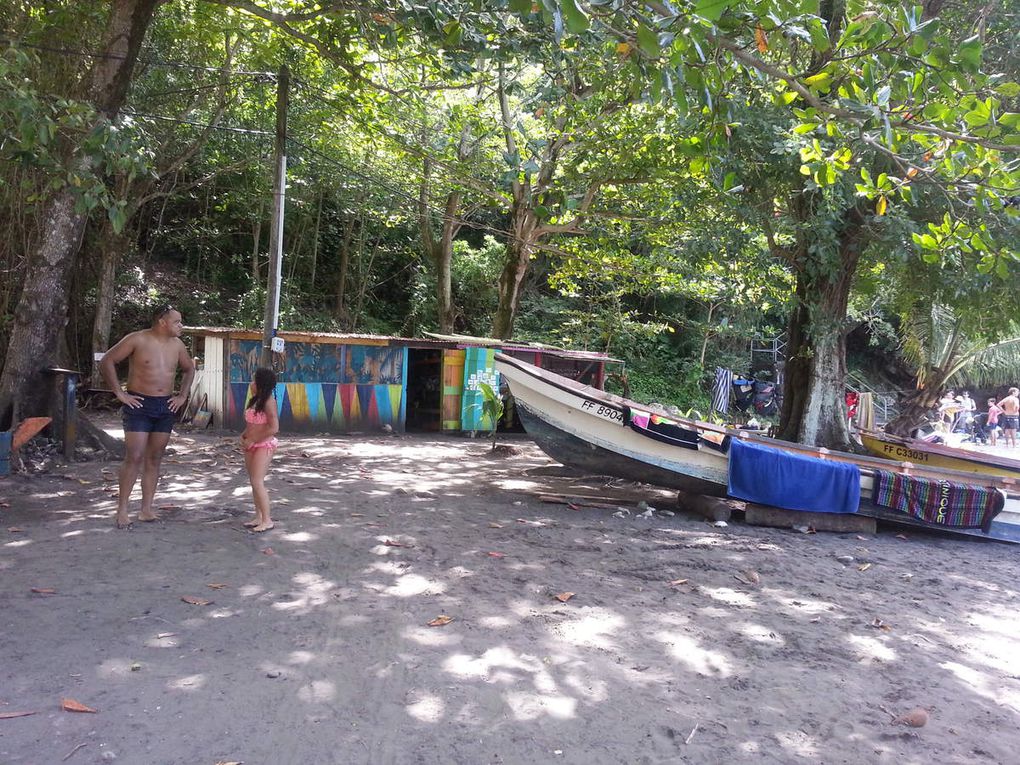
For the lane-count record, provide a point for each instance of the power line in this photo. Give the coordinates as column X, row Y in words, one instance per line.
column 228, row 128
column 117, row 57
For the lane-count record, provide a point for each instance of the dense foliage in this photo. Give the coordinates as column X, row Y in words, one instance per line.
column 661, row 182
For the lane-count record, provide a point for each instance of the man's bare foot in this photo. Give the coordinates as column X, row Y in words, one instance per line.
column 147, row 516
column 263, row 527
column 122, row 522
column 250, row 524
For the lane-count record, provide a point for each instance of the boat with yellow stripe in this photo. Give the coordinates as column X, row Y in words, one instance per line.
column 924, row 454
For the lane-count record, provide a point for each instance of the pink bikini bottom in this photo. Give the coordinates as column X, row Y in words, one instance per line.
column 270, row 443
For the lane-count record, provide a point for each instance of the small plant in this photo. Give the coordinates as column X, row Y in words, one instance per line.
column 492, row 407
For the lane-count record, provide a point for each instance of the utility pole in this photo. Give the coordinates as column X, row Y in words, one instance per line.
column 275, row 275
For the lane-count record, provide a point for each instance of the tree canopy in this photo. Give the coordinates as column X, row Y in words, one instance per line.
column 659, row 181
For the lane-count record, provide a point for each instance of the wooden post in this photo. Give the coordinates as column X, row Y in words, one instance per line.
column 763, row 515
column 712, row 508
column 274, row 277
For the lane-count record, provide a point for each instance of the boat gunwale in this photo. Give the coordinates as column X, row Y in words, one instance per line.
column 944, row 451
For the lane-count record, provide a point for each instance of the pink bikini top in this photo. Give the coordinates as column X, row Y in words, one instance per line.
column 254, row 418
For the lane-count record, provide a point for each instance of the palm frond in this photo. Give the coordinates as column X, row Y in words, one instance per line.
column 929, row 336
column 932, row 340
column 996, row 364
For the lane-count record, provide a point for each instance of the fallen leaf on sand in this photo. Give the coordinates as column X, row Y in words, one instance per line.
column 902, row 536
column 162, row 635
column 563, row 597
column 195, row 601
column 495, row 526
column 391, row 543
column 864, row 567
column 44, row 590
column 675, row 582
column 880, row 625
column 861, row 538
column 11, row 715
column 748, row 577
column 496, row 555
column 572, row 506
column 357, row 515
column 70, row 705
column 216, row 585
column 231, row 762
column 15, row 529
column 915, row 718
column 441, row 621
column 268, row 551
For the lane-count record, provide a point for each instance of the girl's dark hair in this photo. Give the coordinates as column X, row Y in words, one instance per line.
column 265, row 386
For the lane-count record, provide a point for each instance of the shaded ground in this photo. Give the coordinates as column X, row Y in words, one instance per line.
column 320, row 652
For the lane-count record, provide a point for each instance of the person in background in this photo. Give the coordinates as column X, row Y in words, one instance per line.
column 1010, row 417
column 967, row 409
column 150, row 406
column 992, row 423
column 948, row 407
column 259, row 443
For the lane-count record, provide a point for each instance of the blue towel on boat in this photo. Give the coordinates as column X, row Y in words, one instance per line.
column 774, row 477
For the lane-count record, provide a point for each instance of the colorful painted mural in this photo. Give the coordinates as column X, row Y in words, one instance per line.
column 479, row 367
column 453, row 387
column 326, row 386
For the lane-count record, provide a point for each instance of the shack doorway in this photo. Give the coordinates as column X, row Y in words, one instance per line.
column 424, row 390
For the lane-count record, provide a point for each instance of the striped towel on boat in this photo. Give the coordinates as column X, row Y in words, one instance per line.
column 937, row 501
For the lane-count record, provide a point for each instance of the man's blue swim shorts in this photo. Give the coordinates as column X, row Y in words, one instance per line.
column 154, row 415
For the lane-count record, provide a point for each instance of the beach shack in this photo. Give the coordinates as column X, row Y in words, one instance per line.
column 343, row 383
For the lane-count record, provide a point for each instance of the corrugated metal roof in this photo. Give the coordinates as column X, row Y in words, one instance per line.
column 433, row 340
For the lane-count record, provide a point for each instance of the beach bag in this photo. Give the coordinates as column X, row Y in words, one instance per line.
column 765, row 398
column 743, row 393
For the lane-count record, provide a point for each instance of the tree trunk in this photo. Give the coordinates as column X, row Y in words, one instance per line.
column 256, row 236
column 315, row 241
column 41, row 312
column 708, row 335
column 112, row 246
column 814, row 386
column 343, row 266
column 518, row 251
column 914, row 409
column 442, row 255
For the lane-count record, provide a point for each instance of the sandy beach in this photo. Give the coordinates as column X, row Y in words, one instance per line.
column 680, row 643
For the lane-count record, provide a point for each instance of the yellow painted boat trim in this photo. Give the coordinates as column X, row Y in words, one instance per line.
column 903, row 453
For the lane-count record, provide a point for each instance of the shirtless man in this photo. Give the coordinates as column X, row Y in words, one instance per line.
column 1010, row 418
column 150, row 407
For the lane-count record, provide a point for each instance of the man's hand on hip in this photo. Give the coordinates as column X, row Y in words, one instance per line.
column 129, row 400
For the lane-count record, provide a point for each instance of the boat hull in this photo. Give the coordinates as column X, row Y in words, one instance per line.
column 582, row 454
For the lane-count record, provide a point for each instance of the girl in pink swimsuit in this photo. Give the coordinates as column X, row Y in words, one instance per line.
column 259, row 442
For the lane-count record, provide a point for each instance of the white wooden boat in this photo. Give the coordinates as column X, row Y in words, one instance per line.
column 605, row 434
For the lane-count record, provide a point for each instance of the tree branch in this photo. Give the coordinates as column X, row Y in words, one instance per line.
column 771, row 70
